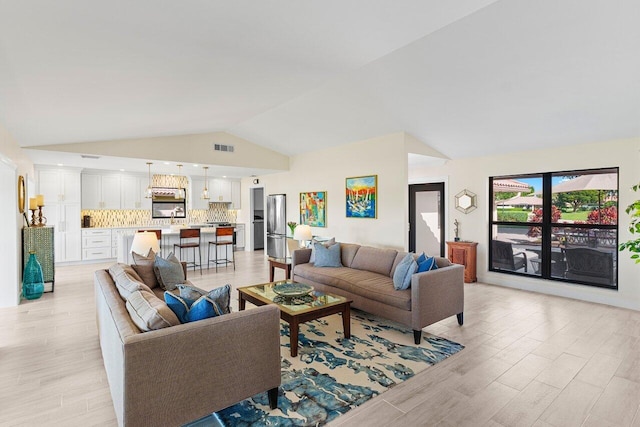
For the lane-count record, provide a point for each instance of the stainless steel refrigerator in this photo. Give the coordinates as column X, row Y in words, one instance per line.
column 277, row 225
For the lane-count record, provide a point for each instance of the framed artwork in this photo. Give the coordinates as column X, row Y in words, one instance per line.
column 361, row 195
column 313, row 208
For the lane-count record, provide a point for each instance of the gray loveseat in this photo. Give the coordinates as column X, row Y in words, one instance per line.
column 366, row 277
column 177, row 374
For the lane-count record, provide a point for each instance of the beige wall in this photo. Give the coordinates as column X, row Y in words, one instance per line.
column 326, row 170
column 473, row 174
column 197, row 148
column 13, row 163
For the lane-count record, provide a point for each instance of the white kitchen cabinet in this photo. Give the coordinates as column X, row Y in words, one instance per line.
column 65, row 218
column 133, row 192
column 240, row 237
column 61, row 190
column 100, row 191
column 235, row 195
column 197, row 185
column 220, row 190
column 59, row 185
column 96, row 244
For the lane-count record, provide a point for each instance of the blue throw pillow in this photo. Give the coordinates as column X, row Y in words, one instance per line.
column 327, row 257
column 421, row 258
column 178, row 305
column 404, row 271
column 203, row 308
column 221, row 295
column 427, row 264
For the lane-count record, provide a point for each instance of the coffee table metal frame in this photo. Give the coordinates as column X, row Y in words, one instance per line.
column 296, row 314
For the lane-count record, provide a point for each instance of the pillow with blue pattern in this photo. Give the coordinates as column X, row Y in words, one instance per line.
column 221, row 295
column 202, row 308
column 426, row 263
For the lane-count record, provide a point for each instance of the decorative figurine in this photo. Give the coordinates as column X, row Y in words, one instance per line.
column 456, row 230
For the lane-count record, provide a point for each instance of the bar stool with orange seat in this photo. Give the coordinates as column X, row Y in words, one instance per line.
column 223, row 237
column 190, row 238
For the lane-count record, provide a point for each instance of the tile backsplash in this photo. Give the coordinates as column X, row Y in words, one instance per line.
column 217, row 212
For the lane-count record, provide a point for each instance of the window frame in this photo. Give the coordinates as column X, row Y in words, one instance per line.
column 547, row 225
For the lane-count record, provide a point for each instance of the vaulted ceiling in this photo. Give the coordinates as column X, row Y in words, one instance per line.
column 466, row 77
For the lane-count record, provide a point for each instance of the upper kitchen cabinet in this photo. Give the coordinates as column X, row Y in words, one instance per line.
column 59, row 185
column 235, row 195
column 100, row 191
column 197, row 184
column 133, row 191
column 220, row 190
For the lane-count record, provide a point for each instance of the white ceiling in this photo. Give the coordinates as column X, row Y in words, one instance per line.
column 467, row 77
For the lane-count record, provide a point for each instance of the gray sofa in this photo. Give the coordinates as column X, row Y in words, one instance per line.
column 366, row 277
column 177, row 374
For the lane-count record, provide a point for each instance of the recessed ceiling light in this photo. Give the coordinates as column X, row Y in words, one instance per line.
column 195, row 166
column 60, row 164
column 121, row 170
column 167, row 163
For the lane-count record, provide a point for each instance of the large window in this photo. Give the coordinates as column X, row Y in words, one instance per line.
column 556, row 225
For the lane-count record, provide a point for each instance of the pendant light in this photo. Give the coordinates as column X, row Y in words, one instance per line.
column 148, row 194
column 179, row 193
column 205, row 190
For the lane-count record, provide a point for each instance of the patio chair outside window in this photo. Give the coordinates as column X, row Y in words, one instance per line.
column 505, row 258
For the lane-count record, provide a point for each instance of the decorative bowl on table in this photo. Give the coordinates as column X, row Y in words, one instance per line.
column 292, row 289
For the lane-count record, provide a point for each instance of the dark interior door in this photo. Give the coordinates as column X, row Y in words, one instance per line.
column 426, row 219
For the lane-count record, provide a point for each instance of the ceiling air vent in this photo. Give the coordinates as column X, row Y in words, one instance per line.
column 88, row 156
column 222, row 147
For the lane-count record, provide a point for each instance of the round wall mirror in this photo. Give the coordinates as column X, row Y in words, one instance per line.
column 466, row 201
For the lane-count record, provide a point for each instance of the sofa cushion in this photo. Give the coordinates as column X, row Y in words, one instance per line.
column 187, row 311
column 326, row 244
column 143, row 265
column 127, row 280
column 348, row 252
column 374, row 259
column 404, row 271
column 380, row 288
column 221, row 295
column 169, row 271
column 327, row 257
column 149, row 312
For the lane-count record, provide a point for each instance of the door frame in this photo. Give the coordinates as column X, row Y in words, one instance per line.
column 420, row 187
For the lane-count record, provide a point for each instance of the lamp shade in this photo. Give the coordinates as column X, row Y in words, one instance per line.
column 302, row 232
column 143, row 241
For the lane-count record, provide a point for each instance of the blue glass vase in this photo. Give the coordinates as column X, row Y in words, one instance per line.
column 32, row 280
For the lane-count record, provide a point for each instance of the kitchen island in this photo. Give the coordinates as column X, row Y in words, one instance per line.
column 171, row 236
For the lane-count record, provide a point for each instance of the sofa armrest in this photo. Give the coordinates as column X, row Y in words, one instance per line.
column 436, row 295
column 300, row 256
column 179, row 374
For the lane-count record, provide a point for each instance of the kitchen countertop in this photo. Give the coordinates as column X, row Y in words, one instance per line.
column 164, row 228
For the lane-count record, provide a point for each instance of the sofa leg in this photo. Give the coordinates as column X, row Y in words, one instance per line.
column 273, row 397
column 460, row 318
column 417, row 336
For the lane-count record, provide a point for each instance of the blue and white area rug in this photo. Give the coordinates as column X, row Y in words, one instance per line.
column 332, row 375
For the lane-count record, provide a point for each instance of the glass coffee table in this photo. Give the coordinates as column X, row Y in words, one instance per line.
column 298, row 309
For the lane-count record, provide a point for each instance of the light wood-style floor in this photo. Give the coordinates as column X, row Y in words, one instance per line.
column 530, row 359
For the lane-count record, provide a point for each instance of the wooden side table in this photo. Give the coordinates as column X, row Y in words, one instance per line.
column 282, row 263
column 464, row 253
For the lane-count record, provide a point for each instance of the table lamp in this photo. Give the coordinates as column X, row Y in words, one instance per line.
column 302, row 233
column 143, row 241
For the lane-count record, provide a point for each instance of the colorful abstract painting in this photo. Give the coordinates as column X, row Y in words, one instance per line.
column 362, row 196
column 313, row 208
